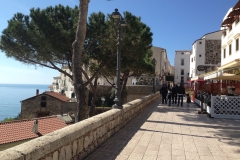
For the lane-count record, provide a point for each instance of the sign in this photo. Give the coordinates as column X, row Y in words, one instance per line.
column 200, row 68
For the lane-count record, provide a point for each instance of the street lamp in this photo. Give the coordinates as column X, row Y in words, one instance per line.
column 121, row 22
column 154, row 78
column 103, row 100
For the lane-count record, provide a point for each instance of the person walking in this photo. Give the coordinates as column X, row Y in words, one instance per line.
column 181, row 93
column 174, row 94
column 169, row 96
column 163, row 92
column 188, row 99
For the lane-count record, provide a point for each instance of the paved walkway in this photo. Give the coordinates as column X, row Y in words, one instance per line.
column 161, row 132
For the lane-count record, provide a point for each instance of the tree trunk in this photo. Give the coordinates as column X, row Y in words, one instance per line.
column 123, row 86
column 80, row 89
column 93, row 100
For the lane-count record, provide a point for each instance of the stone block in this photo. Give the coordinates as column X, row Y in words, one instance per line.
column 86, row 142
column 74, row 148
column 49, row 158
column 68, row 151
column 55, row 155
column 80, row 145
column 10, row 154
column 62, row 154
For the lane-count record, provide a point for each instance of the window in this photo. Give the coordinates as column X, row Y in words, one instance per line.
column 43, row 104
column 192, row 59
column 182, row 79
column 182, row 62
column 200, row 55
column 182, row 53
column 43, row 101
column 200, row 42
column 237, row 44
column 230, row 49
column 43, row 98
column 182, row 71
column 224, row 53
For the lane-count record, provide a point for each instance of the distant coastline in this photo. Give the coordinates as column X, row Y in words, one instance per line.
column 11, row 96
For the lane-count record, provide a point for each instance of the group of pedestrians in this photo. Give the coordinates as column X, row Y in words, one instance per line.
column 172, row 95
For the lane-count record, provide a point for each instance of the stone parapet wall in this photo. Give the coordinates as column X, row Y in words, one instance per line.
column 138, row 91
column 80, row 139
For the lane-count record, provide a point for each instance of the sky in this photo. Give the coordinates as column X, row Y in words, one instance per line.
column 175, row 25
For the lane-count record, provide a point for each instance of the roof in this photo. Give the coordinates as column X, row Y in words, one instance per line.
column 237, row 6
column 202, row 38
column 54, row 95
column 58, row 77
column 22, row 130
column 57, row 95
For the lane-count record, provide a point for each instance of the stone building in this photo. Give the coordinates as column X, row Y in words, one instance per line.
column 47, row 104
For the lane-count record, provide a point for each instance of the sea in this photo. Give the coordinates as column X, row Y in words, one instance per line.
column 11, row 96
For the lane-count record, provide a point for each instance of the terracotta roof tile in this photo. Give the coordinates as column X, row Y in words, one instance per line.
column 22, row 130
column 58, row 96
column 53, row 94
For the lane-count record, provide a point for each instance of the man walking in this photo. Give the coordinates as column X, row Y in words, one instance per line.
column 163, row 92
column 181, row 92
column 174, row 94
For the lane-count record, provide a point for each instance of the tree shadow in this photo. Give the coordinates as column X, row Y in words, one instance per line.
column 226, row 131
column 114, row 145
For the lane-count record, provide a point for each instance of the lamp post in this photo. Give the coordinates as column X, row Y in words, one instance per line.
column 154, row 64
column 103, row 100
column 121, row 22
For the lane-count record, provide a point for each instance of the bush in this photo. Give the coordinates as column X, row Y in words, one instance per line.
column 12, row 119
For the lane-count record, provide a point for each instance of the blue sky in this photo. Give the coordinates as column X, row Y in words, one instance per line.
column 175, row 25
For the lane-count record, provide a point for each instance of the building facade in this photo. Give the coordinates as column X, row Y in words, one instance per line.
column 47, row 104
column 163, row 66
column 181, row 65
column 230, row 57
column 206, row 54
column 230, row 36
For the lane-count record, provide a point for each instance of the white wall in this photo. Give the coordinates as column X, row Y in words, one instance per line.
column 230, row 38
column 198, row 52
column 179, row 55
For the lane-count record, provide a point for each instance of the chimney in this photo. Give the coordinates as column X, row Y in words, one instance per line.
column 37, row 92
column 35, row 128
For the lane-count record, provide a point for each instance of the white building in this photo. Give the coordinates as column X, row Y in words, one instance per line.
column 181, row 65
column 230, row 38
column 63, row 84
column 230, row 54
column 206, row 54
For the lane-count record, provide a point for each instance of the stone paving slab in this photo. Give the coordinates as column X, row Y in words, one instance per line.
column 164, row 132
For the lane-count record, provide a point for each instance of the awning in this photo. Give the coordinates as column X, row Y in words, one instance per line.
column 228, row 21
column 234, row 13
column 228, row 76
column 235, row 63
column 197, row 79
column 213, row 74
column 237, row 6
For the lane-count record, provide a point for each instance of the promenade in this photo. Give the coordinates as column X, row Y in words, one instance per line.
column 161, row 132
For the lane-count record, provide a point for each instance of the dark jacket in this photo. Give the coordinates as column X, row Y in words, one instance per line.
column 174, row 90
column 181, row 90
column 169, row 95
column 164, row 90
